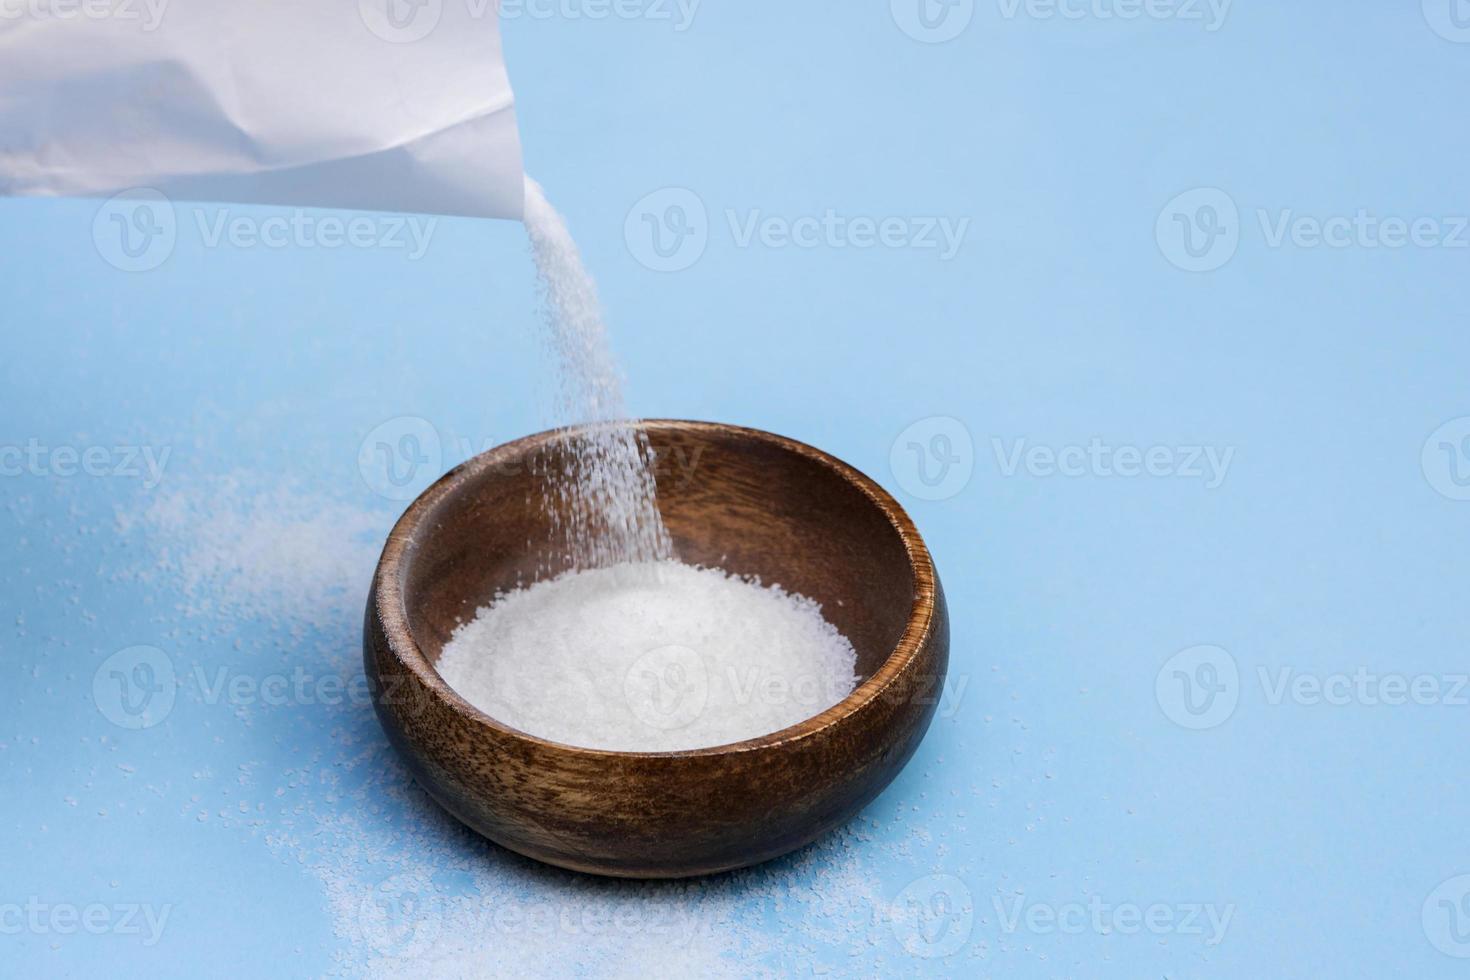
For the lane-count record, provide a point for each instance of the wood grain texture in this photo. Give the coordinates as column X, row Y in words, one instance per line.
column 740, row 499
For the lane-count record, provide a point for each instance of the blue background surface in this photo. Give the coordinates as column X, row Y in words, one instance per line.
column 1061, row 778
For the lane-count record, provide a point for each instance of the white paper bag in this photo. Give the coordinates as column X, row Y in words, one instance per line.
column 385, row 105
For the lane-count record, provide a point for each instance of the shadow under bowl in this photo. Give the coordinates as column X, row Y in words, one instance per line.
column 743, row 500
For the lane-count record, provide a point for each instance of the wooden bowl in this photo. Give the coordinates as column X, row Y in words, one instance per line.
column 740, row 499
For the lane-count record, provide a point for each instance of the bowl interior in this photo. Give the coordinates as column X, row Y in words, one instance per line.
column 744, row 501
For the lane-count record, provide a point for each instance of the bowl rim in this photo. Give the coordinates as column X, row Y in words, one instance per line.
column 387, row 592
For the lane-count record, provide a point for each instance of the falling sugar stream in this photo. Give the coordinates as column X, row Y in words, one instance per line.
column 604, row 501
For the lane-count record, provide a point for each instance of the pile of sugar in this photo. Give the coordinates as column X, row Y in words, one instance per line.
column 603, row 502
column 654, row 657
